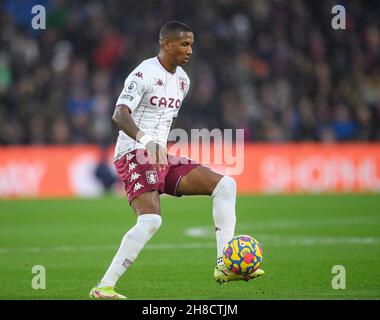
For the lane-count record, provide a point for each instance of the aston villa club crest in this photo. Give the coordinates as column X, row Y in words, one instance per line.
column 182, row 84
column 151, row 176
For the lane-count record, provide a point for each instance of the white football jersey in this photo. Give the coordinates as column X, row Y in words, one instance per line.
column 154, row 97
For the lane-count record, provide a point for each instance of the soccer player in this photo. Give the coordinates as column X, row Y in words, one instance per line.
column 151, row 98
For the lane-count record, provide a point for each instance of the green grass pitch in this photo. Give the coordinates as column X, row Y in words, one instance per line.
column 302, row 236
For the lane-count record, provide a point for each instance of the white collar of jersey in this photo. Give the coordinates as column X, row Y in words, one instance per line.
column 159, row 62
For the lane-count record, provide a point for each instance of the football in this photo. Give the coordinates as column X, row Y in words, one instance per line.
column 243, row 254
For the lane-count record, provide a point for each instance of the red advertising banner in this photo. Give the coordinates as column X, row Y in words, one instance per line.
column 311, row 168
column 48, row 171
column 54, row 171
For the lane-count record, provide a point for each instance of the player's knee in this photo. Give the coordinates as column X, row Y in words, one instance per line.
column 152, row 222
column 229, row 185
column 226, row 188
column 146, row 202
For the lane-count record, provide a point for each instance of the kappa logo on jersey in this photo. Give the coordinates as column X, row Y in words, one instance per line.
column 159, row 83
column 151, row 176
column 137, row 186
column 129, row 156
column 182, row 84
column 166, row 103
column 139, row 74
column 131, row 87
column 132, row 166
column 135, row 176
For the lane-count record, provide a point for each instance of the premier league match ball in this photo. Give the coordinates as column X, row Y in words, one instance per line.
column 243, row 255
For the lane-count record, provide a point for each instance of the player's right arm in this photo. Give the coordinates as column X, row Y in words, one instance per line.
column 123, row 119
column 128, row 100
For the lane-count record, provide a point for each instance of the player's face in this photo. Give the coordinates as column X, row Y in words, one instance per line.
column 181, row 48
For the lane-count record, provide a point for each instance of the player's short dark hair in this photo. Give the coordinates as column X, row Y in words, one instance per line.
column 173, row 27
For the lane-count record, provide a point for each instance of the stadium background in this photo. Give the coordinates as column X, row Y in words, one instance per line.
column 306, row 95
column 276, row 69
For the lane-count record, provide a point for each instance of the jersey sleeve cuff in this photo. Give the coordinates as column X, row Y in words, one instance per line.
column 125, row 106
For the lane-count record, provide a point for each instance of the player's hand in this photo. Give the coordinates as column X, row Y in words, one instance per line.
column 157, row 155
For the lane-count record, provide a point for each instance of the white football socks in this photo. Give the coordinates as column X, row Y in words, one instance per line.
column 223, row 211
column 131, row 245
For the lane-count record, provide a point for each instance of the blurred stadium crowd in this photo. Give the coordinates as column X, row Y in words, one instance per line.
column 275, row 68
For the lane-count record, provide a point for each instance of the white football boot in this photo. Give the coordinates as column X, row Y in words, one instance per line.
column 105, row 293
column 223, row 275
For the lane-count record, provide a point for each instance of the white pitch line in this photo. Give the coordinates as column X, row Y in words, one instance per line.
column 207, row 231
column 266, row 240
column 89, row 248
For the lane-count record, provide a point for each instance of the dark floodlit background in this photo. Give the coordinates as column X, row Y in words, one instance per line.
column 275, row 68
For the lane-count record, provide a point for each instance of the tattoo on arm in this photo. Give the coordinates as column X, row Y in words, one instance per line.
column 122, row 118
